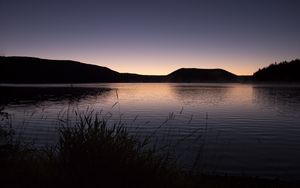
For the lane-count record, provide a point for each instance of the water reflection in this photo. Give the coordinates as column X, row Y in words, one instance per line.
column 206, row 94
column 37, row 95
column 282, row 98
column 243, row 126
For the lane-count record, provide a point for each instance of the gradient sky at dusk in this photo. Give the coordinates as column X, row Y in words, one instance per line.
column 154, row 36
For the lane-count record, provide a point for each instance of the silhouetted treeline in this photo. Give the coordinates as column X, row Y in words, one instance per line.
column 35, row 70
column 282, row 72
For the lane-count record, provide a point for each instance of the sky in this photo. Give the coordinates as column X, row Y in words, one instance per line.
column 154, row 36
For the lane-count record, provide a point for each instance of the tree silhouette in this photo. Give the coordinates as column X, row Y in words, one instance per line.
column 279, row 72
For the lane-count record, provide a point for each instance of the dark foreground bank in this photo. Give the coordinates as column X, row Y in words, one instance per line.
column 91, row 153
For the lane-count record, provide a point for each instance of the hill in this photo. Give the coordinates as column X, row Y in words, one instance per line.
column 36, row 70
column 282, row 72
column 201, row 75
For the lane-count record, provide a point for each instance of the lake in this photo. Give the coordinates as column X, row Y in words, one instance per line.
column 235, row 129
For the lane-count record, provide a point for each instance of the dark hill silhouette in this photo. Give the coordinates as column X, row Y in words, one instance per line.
column 282, row 72
column 201, row 75
column 36, row 70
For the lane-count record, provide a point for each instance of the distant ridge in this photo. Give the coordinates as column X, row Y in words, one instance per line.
column 35, row 70
column 201, row 75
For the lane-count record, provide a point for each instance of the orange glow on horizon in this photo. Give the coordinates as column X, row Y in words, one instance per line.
column 164, row 64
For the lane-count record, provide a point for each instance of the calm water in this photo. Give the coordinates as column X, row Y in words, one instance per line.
column 226, row 128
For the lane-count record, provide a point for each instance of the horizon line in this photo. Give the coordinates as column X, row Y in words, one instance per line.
column 129, row 72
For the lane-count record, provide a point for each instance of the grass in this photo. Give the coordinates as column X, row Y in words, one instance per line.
column 91, row 153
